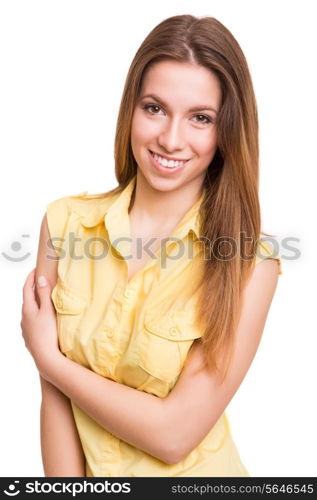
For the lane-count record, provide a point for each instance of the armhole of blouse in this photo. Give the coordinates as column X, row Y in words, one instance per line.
column 265, row 250
column 56, row 214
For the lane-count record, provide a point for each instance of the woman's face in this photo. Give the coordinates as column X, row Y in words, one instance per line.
column 175, row 119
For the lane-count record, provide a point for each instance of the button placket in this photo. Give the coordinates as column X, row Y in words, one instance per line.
column 109, row 358
column 128, row 296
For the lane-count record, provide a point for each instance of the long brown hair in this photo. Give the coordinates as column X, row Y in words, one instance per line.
column 230, row 205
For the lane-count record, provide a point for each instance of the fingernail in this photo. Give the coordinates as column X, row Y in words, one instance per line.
column 41, row 281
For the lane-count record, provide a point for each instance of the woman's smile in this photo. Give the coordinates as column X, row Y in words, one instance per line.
column 166, row 166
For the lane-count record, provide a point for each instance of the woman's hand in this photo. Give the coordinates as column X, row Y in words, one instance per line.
column 38, row 322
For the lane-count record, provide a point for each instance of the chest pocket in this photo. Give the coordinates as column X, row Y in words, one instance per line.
column 164, row 344
column 70, row 306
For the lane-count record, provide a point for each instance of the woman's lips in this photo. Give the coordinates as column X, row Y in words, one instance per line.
column 167, row 157
column 165, row 170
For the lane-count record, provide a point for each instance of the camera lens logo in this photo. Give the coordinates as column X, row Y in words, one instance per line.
column 16, row 247
column 12, row 491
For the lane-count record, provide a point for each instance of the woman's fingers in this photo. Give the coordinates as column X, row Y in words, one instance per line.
column 43, row 289
column 29, row 302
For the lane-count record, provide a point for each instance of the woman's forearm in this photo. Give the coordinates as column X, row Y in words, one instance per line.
column 134, row 416
column 62, row 453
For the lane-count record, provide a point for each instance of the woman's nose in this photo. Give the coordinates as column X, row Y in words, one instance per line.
column 172, row 137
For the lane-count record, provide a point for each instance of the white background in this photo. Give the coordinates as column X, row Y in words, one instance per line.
column 63, row 66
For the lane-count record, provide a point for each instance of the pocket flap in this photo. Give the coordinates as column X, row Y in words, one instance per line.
column 180, row 326
column 67, row 300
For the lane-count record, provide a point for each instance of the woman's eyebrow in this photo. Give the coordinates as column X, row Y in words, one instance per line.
column 196, row 108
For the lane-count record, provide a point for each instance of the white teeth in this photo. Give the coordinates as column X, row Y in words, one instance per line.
column 168, row 163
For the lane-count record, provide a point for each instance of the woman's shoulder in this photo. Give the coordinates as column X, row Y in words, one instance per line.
column 81, row 203
column 66, row 210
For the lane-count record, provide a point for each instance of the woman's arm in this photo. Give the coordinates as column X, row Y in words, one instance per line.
column 170, row 428
column 62, row 453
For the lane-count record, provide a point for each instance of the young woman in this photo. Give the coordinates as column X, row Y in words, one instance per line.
column 161, row 287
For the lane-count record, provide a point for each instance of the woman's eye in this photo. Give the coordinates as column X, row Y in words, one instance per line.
column 148, row 107
column 203, row 119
